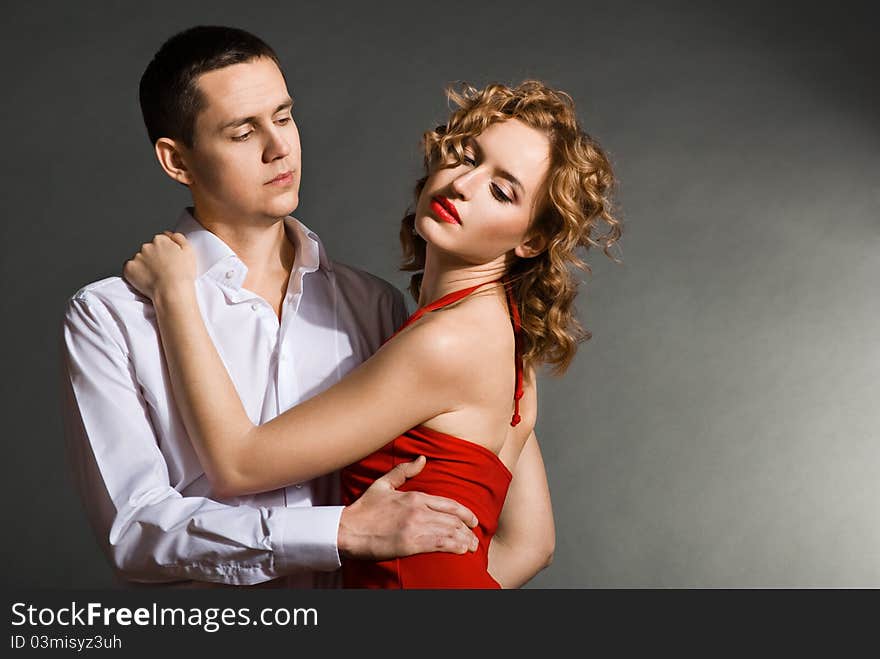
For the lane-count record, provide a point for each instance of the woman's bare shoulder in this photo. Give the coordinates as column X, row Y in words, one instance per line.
column 457, row 339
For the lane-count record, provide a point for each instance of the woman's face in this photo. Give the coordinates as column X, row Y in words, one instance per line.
column 480, row 210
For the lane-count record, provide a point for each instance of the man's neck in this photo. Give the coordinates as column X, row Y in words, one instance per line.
column 264, row 248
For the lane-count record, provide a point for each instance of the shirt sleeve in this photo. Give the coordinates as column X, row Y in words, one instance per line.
column 399, row 314
column 147, row 529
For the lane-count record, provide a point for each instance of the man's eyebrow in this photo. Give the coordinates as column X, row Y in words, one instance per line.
column 503, row 173
column 235, row 123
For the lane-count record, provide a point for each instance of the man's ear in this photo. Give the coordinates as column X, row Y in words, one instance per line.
column 531, row 247
column 170, row 156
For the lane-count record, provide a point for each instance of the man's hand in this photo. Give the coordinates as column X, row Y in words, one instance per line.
column 385, row 523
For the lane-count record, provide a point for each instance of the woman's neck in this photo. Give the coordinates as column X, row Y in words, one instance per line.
column 444, row 275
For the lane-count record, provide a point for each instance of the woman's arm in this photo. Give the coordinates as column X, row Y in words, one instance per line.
column 350, row 420
column 526, row 536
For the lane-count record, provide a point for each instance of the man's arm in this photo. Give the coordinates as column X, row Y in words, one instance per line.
column 384, row 523
column 399, row 314
column 149, row 531
column 526, row 536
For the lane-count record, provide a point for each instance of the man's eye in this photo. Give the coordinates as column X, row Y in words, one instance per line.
column 242, row 138
column 283, row 120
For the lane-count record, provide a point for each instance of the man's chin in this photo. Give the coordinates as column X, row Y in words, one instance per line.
column 285, row 207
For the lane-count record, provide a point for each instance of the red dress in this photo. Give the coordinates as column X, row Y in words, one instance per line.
column 457, row 469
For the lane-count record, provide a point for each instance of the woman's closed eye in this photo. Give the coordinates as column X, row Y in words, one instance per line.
column 499, row 194
column 497, row 191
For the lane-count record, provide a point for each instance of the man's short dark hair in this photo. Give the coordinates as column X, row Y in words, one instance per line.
column 169, row 94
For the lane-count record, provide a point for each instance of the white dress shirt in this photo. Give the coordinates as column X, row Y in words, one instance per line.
column 144, row 490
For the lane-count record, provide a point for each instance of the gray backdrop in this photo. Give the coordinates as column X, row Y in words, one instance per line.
column 722, row 428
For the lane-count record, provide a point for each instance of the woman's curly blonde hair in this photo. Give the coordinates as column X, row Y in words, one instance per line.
column 578, row 198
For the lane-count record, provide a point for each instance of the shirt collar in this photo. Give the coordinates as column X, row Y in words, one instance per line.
column 310, row 252
column 211, row 251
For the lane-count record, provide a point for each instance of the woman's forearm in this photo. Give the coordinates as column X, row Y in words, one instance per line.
column 512, row 566
column 525, row 540
column 212, row 411
column 322, row 434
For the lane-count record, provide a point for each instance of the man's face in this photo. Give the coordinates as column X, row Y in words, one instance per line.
column 245, row 159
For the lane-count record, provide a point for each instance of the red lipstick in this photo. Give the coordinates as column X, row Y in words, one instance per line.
column 445, row 210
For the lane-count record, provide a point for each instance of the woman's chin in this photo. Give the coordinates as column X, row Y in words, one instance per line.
column 430, row 230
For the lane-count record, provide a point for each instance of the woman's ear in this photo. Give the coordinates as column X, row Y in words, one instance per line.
column 531, row 247
column 170, row 157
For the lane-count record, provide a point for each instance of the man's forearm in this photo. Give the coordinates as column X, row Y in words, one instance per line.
column 146, row 527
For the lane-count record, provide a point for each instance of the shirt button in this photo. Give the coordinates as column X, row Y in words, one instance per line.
column 229, row 274
column 255, row 306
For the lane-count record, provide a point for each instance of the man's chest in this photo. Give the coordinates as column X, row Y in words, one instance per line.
column 273, row 363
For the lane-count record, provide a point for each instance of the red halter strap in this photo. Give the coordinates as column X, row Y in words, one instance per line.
column 454, row 297
column 517, row 337
column 446, row 300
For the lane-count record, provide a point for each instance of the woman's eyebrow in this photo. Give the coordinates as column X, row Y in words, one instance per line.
column 503, row 173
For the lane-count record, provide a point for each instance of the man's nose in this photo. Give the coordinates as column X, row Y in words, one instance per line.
column 277, row 147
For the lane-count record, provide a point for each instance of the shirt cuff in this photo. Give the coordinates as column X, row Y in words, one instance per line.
column 305, row 538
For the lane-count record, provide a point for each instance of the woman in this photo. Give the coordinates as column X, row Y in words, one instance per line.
column 513, row 187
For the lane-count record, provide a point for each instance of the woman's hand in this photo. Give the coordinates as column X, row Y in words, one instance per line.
column 163, row 265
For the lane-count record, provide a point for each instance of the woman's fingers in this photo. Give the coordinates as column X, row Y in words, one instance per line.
column 133, row 272
column 180, row 239
column 177, row 238
column 164, row 240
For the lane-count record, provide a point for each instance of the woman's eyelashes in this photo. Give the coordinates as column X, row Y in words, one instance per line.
column 499, row 194
column 496, row 190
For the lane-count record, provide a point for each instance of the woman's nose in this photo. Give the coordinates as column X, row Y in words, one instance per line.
column 463, row 184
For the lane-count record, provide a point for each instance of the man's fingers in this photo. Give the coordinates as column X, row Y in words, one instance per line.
column 397, row 476
column 448, row 526
column 442, row 538
column 450, row 507
column 422, row 522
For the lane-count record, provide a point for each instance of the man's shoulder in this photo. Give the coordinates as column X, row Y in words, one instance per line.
column 108, row 310
column 356, row 282
column 110, row 294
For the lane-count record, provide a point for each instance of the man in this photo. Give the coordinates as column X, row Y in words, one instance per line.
column 287, row 322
